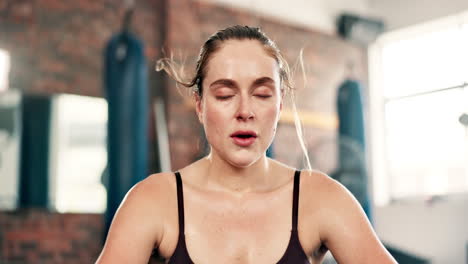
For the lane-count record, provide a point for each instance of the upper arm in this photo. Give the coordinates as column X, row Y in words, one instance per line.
column 137, row 225
column 345, row 229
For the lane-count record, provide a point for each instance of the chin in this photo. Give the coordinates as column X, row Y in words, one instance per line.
column 243, row 160
column 238, row 158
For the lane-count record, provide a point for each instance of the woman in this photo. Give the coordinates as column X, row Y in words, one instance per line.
column 236, row 205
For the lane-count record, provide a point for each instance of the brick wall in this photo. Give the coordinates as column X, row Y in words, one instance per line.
column 57, row 46
column 39, row 236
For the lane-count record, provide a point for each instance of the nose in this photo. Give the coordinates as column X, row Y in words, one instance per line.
column 244, row 111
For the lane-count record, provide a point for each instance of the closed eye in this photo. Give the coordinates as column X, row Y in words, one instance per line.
column 263, row 96
column 224, row 97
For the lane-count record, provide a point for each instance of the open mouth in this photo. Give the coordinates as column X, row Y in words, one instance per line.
column 244, row 138
column 244, row 134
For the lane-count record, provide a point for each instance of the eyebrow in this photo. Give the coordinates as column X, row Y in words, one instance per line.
column 224, row 82
column 264, row 81
column 231, row 83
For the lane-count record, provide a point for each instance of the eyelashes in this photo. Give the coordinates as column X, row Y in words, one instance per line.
column 226, row 97
column 223, row 98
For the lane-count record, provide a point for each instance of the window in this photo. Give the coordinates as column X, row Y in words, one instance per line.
column 418, row 80
column 4, row 70
column 78, row 154
column 10, row 136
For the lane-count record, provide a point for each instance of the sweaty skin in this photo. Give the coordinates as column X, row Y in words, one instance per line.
column 237, row 201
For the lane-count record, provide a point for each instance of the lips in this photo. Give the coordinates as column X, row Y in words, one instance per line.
column 244, row 138
column 244, row 134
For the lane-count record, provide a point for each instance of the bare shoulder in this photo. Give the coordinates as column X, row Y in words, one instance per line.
column 322, row 186
column 138, row 224
column 343, row 225
column 149, row 197
column 325, row 196
column 333, row 200
column 158, row 185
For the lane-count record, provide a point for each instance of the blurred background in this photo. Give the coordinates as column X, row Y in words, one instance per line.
column 381, row 90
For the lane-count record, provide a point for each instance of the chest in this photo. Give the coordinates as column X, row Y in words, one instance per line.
column 244, row 232
column 253, row 230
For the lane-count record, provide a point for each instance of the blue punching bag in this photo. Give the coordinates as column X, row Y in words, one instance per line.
column 352, row 171
column 127, row 96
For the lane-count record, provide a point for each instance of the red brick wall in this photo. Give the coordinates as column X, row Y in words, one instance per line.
column 57, row 46
column 38, row 236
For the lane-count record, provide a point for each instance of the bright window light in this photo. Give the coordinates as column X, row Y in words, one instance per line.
column 4, row 69
column 426, row 62
column 419, row 90
column 79, row 153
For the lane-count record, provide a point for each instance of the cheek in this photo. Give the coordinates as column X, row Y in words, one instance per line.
column 213, row 120
column 271, row 118
column 274, row 112
column 211, row 114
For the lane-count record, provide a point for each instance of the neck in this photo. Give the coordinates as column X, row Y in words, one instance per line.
column 223, row 176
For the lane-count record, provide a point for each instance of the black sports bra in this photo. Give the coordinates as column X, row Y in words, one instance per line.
column 294, row 253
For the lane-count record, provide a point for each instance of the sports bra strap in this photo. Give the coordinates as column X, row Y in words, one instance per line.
column 180, row 203
column 295, row 211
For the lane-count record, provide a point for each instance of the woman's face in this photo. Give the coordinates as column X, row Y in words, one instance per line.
column 241, row 101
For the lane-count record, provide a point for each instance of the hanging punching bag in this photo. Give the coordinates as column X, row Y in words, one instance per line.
column 127, row 96
column 352, row 171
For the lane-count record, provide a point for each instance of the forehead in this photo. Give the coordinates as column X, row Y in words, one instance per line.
column 242, row 59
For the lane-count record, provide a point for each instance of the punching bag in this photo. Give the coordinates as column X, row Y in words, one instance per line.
column 352, row 171
column 127, row 96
